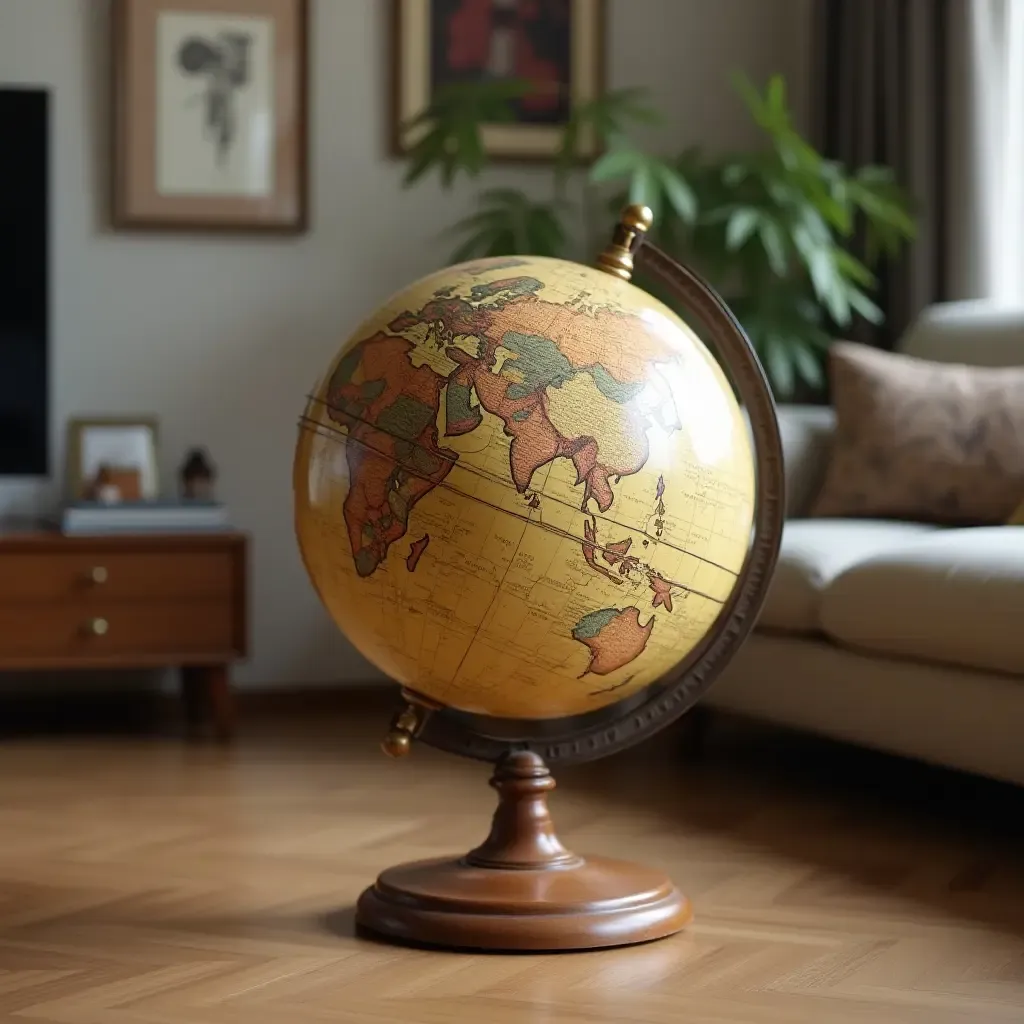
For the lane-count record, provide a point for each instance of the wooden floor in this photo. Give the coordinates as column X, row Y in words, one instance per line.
column 143, row 881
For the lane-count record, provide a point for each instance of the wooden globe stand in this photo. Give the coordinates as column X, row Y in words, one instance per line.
column 522, row 889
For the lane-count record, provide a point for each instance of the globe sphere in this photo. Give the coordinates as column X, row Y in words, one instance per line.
column 524, row 488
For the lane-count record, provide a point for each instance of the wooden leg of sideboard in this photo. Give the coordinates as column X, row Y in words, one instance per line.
column 192, row 700
column 207, row 688
column 221, row 699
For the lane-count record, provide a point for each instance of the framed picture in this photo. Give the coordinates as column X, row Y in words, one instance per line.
column 556, row 44
column 210, row 114
column 113, row 460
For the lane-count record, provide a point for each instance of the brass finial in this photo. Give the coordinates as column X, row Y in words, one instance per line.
column 617, row 258
column 397, row 743
column 404, row 726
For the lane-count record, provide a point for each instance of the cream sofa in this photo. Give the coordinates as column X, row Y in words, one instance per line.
column 904, row 637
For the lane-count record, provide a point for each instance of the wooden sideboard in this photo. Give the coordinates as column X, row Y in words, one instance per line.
column 129, row 602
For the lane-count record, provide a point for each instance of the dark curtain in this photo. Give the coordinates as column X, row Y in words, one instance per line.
column 883, row 97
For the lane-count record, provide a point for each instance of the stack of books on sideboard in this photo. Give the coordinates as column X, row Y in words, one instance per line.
column 186, row 516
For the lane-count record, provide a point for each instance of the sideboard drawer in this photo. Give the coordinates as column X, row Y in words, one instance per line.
column 115, row 575
column 117, row 632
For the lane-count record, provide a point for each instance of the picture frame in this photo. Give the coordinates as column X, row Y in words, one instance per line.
column 435, row 42
column 121, row 450
column 210, row 119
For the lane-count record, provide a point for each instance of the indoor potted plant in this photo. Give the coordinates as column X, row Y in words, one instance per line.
column 789, row 238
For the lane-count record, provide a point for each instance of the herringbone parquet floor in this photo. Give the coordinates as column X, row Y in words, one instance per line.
column 148, row 882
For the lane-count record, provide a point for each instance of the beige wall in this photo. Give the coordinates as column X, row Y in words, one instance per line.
column 222, row 338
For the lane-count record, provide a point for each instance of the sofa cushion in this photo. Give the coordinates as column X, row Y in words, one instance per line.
column 806, row 432
column 814, row 552
column 952, row 596
column 922, row 440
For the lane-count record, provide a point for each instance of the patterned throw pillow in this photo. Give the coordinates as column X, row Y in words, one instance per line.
column 933, row 442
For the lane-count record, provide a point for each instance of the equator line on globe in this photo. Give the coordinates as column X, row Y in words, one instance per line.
column 525, row 489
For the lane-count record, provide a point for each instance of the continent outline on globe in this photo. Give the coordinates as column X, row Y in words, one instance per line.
column 488, row 350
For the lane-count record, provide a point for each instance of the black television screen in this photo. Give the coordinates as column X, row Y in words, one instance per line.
column 24, row 281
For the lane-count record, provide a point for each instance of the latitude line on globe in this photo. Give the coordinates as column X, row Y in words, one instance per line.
column 492, row 478
column 564, row 534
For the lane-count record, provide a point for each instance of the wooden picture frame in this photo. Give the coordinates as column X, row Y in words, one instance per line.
column 210, row 118
column 561, row 41
column 124, row 445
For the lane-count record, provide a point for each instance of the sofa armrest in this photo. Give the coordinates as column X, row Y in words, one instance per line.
column 807, row 432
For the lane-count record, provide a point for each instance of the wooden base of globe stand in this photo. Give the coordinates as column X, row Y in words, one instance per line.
column 522, row 890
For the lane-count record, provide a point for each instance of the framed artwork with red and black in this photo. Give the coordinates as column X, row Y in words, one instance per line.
column 555, row 45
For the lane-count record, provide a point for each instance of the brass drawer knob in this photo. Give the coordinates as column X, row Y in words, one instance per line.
column 98, row 627
column 98, row 574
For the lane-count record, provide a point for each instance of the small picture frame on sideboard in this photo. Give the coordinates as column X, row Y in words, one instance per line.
column 111, row 460
column 210, row 115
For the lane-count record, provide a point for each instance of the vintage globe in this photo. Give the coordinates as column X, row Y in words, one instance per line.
column 524, row 489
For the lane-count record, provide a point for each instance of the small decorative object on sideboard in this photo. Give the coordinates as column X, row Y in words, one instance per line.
column 197, row 476
column 112, row 459
column 114, row 488
column 104, row 488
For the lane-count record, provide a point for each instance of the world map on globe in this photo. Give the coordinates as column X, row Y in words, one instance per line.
column 524, row 488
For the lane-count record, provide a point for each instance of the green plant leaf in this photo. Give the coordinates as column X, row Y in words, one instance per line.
column 616, row 163
column 775, row 96
column 509, row 223
column 451, row 141
column 742, row 224
column 635, row 102
column 608, row 116
column 807, row 364
column 875, row 175
column 503, row 243
column 865, row 306
column 678, row 192
column 854, row 270
column 472, row 248
column 544, row 232
column 751, row 97
column 422, row 157
column 471, row 148
column 779, row 365
column 504, row 197
column 568, row 148
column 774, row 246
column 736, row 174
column 885, row 205
column 797, row 154
column 486, row 220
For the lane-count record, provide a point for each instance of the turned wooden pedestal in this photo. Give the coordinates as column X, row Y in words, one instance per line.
column 129, row 602
column 522, row 889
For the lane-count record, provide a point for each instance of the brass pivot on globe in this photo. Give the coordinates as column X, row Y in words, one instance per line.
column 406, row 725
column 617, row 258
column 521, row 889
